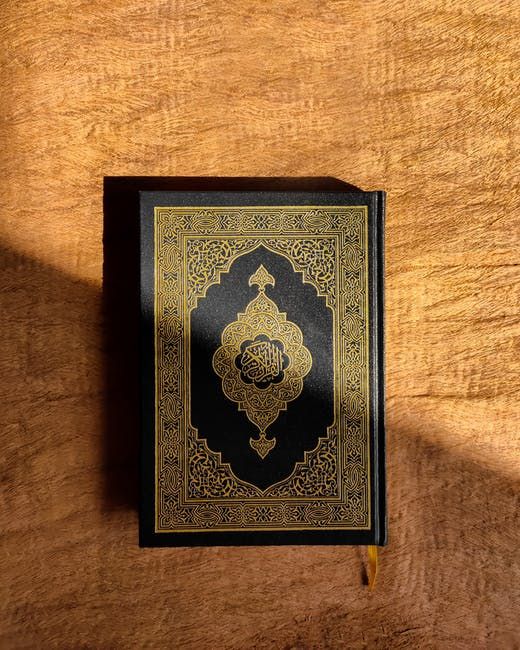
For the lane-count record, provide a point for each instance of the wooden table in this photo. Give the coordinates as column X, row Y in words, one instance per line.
column 415, row 98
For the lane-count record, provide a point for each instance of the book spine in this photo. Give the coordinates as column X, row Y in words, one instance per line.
column 379, row 430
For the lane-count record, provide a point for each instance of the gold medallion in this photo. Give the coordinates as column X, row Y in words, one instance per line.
column 262, row 361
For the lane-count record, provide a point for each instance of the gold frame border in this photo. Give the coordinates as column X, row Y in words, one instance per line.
column 186, row 315
column 194, row 210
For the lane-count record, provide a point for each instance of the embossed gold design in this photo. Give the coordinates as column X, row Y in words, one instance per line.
column 262, row 445
column 262, row 361
column 261, row 277
column 329, row 487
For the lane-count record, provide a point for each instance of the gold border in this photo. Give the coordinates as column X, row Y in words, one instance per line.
column 187, row 312
column 271, row 235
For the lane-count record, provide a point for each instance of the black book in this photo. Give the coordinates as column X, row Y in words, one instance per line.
column 262, row 368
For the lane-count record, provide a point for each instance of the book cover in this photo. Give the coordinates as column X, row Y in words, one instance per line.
column 262, row 368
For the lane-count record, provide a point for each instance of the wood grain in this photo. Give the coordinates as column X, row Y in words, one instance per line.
column 415, row 98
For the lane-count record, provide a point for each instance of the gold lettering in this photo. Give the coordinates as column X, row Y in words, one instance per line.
column 262, row 361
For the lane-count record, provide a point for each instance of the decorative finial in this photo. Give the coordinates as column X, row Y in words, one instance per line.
column 262, row 445
column 261, row 277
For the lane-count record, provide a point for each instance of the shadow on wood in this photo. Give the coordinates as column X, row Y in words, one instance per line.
column 121, row 307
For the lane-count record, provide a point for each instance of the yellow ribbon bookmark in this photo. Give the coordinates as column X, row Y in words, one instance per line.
column 372, row 567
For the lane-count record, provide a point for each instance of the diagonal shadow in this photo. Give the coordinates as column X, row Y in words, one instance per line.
column 453, row 522
column 121, row 307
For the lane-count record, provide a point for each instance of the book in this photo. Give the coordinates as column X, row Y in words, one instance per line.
column 262, row 368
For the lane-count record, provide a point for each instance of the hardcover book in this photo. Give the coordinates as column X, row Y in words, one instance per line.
column 262, row 368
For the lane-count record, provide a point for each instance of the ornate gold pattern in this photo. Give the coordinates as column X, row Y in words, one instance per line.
column 262, row 361
column 261, row 277
column 330, row 487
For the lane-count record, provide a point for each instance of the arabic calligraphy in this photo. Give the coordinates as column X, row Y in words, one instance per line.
column 262, row 361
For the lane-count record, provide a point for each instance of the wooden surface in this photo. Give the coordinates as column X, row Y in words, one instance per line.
column 417, row 98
